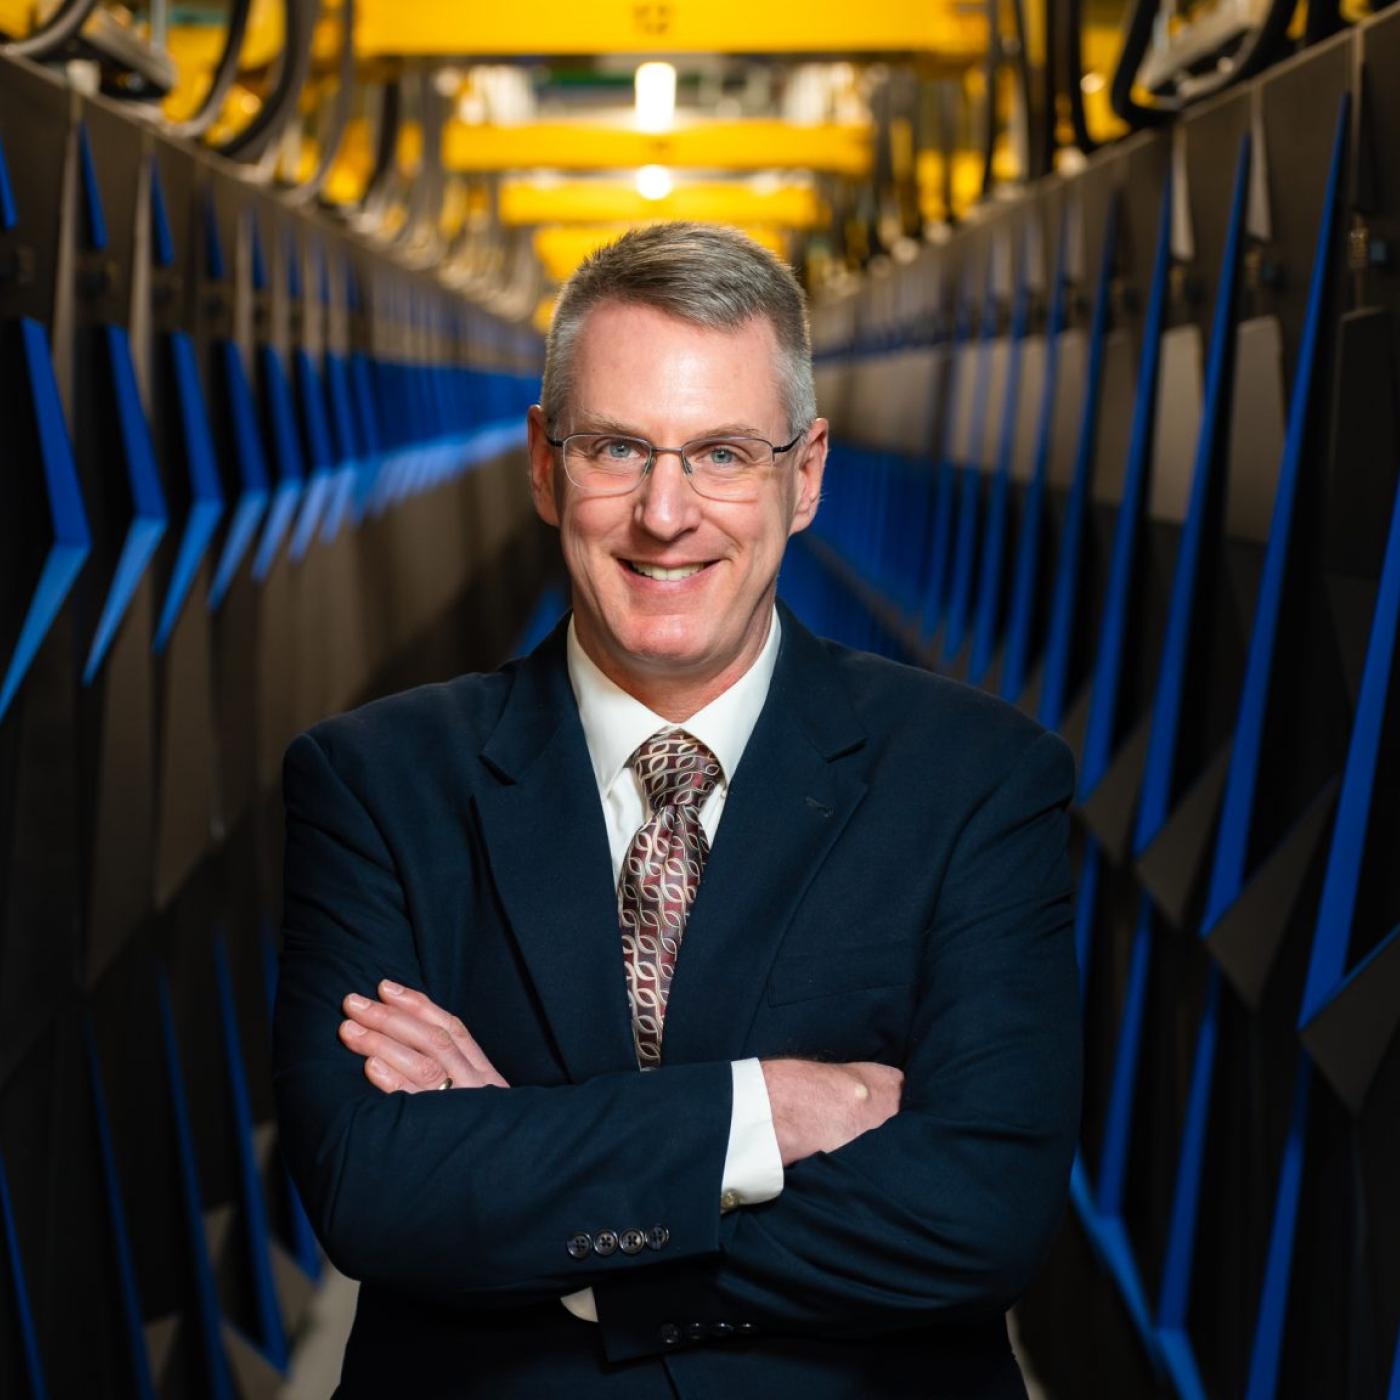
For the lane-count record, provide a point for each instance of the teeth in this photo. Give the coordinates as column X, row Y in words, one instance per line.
column 653, row 571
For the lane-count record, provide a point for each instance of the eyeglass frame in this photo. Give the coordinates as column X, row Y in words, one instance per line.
column 655, row 452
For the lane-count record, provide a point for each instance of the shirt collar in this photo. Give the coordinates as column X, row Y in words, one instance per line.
column 614, row 722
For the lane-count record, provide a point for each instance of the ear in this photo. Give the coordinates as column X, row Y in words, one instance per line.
column 807, row 475
column 544, row 461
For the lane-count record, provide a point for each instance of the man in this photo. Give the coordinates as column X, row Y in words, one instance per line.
column 743, row 959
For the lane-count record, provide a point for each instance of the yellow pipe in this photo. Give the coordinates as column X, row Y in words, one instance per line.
column 841, row 149
column 524, row 203
column 449, row 28
column 562, row 247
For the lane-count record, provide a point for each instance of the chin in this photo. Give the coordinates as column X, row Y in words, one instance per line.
column 663, row 644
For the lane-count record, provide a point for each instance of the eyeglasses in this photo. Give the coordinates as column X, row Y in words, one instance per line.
column 722, row 468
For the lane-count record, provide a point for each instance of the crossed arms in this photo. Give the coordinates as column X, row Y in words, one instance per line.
column 940, row 1210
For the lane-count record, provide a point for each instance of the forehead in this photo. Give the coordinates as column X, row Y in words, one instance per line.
column 642, row 366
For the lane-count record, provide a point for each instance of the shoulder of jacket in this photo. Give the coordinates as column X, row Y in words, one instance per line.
column 456, row 714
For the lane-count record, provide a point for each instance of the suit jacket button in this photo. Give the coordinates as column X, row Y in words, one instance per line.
column 605, row 1243
column 746, row 1329
column 579, row 1245
column 657, row 1236
column 722, row 1331
column 670, row 1333
column 695, row 1331
column 632, row 1241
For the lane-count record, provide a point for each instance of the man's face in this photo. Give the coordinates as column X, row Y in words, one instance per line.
column 641, row 372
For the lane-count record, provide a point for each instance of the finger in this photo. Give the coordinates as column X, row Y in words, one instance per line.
column 411, row 1066
column 383, row 1077
column 406, row 1028
column 409, row 1059
column 422, row 1006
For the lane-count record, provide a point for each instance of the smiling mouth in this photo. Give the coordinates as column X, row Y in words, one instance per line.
column 656, row 571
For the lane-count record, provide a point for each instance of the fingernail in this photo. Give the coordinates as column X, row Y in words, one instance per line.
column 376, row 1065
column 862, row 1092
column 357, row 1001
column 354, row 1028
column 392, row 988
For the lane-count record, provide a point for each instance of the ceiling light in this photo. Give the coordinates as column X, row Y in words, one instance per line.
column 654, row 182
column 655, row 87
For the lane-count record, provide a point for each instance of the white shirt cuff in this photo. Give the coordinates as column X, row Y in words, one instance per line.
column 753, row 1165
column 581, row 1304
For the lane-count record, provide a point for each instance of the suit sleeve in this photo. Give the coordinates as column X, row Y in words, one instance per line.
column 471, row 1196
column 944, row 1212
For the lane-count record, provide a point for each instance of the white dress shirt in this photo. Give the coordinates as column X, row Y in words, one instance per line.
column 614, row 723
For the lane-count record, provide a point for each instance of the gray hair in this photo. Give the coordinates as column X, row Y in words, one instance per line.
column 702, row 273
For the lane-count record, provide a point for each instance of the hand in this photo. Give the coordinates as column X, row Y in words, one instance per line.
column 818, row 1107
column 411, row 1043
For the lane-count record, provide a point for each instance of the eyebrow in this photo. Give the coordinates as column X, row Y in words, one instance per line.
column 601, row 423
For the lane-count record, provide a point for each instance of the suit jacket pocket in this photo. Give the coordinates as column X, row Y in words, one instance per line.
column 849, row 968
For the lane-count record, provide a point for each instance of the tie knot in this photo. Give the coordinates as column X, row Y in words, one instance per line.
column 676, row 769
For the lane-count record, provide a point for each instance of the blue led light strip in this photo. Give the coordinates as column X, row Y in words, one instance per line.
column 1336, row 911
column 1278, row 1268
column 128, row 1290
column 19, row 1293
column 149, row 517
column 1022, row 601
column 946, row 479
column 1108, row 666
column 251, row 468
column 208, row 1318
column 256, row 1236
column 1232, row 844
column 72, row 541
column 1069, row 564
column 969, row 485
column 206, row 493
column 1212, row 460
column 984, row 637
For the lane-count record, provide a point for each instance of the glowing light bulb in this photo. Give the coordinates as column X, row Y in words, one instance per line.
column 655, row 88
column 654, row 182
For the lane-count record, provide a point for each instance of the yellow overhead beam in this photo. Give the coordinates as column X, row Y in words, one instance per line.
column 758, row 144
column 562, row 247
column 951, row 29
column 524, row 203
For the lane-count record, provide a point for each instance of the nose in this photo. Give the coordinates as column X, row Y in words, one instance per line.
column 666, row 505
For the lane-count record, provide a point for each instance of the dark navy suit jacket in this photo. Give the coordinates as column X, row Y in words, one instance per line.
column 889, row 882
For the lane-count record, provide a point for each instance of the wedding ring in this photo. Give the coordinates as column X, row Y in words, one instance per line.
column 446, row 1083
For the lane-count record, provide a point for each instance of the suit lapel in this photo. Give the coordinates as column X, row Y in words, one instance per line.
column 548, row 847
column 793, row 792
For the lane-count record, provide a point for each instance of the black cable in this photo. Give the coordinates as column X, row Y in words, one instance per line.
column 225, row 71
column 996, row 60
column 947, row 145
column 1138, row 23
column 277, row 108
column 1049, row 88
column 1023, row 82
column 1072, row 57
column 1323, row 20
column 63, row 25
column 340, row 112
column 991, row 68
column 1260, row 47
column 386, row 144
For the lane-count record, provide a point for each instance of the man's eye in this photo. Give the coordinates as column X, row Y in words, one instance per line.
column 617, row 450
column 724, row 454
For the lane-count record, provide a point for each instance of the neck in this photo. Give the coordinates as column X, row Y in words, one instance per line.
column 672, row 695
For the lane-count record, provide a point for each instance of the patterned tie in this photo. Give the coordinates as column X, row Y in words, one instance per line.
column 660, row 875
